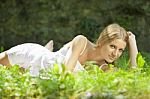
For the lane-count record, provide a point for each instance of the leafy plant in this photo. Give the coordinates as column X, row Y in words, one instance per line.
column 54, row 83
column 140, row 60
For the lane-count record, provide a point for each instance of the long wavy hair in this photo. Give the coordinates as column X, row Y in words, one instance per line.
column 111, row 32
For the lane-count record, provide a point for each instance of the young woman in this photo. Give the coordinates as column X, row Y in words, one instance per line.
column 108, row 48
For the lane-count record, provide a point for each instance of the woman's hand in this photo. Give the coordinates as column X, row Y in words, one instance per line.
column 133, row 51
column 131, row 37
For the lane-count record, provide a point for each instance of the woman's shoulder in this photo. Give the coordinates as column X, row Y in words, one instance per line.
column 77, row 40
column 80, row 38
column 83, row 42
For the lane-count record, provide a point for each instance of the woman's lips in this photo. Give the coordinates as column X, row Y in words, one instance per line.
column 112, row 58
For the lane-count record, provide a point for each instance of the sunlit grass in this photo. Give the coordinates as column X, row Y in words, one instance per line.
column 92, row 83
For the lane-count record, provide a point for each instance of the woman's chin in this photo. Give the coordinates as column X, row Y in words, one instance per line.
column 109, row 61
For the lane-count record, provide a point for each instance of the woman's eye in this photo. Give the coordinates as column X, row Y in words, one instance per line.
column 121, row 50
column 112, row 46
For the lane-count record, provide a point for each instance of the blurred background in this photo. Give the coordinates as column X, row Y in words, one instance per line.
column 39, row 21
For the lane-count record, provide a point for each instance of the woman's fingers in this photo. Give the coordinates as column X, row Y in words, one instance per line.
column 131, row 35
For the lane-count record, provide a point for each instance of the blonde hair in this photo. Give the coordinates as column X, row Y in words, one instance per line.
column 111, row 32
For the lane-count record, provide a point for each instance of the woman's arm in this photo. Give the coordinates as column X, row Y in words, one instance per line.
column 133, row 51
column 76, row 47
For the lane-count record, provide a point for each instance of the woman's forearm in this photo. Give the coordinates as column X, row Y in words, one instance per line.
column 133, row 51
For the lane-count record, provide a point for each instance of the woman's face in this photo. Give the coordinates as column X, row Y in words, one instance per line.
column 112, row 51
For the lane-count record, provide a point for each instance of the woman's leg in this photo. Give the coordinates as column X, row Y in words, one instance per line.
column 49, row 45
column 4, row 59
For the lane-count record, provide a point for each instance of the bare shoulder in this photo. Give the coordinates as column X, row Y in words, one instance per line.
column 77, row 41
column 80, row 43
column 80, row 39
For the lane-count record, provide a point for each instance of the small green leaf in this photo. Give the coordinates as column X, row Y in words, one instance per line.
column 140, row 60
column 63, row 68
column 111, row 65
column 56, row 68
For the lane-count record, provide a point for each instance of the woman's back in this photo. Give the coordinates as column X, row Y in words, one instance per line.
column 36, row 57
column 29, row 55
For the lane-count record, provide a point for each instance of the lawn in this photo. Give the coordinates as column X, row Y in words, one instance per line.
column 120, row 83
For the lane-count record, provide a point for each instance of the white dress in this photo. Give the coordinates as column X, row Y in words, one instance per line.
column 36, row 57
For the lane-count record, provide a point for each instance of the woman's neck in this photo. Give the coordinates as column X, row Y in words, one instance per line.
column 94, row 54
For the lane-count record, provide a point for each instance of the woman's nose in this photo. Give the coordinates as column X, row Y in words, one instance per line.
column 115, row 53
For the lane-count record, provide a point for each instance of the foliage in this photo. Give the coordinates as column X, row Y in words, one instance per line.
column 92, row 83
column 41, row 20
column 140, row 60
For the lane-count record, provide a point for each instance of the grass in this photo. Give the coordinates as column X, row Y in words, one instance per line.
column 90, row 84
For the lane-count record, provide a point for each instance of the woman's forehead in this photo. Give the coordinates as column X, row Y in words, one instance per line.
column 118, row 42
